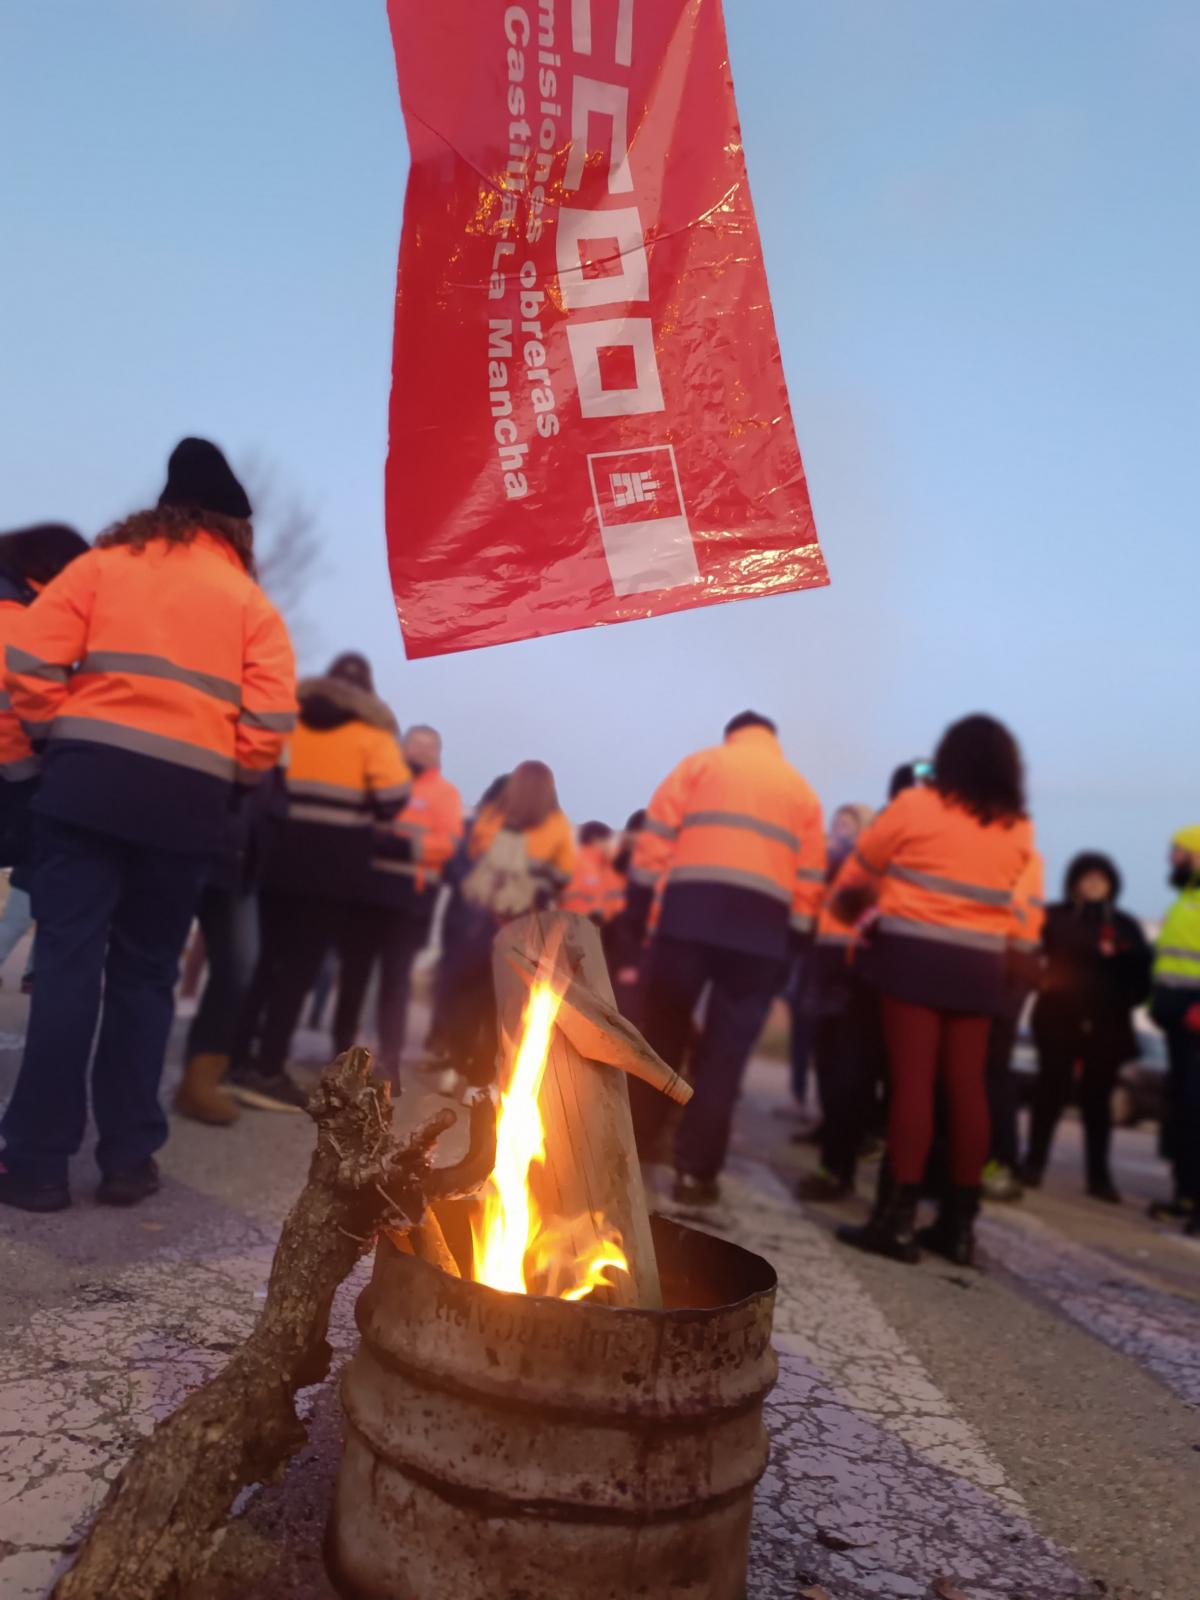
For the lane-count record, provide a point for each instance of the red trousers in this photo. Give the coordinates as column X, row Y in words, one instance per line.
column 923, row 1045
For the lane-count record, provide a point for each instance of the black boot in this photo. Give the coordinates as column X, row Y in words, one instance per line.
column 953, row 1234
column 890, row 1229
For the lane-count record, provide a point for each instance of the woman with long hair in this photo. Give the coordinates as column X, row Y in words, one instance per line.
column 157, row 679
column 520, row 857
column 940, row 865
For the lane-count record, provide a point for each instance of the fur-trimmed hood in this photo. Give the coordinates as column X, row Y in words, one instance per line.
column 327, row 703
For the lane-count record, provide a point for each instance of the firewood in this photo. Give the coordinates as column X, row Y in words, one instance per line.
column 156, row 1531
column 591, row 1182
column 429, row 1243
column 599, row 1032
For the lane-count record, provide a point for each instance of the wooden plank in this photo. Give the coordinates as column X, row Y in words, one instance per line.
column 599, row 1032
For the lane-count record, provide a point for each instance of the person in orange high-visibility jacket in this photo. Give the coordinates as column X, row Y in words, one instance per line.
column 518, row 857
column 410, row 855
column 842, row 1010
column 345, row 777
column 596, row 889
column 155, row 677
column 29, row 559
column 942, row 864
column 733, row 841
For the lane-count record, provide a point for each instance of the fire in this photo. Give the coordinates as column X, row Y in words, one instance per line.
column 515, row 1249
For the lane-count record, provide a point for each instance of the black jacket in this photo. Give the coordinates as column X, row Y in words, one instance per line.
column 1087, row 997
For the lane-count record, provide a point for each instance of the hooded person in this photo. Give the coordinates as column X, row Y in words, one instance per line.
column 1175, row 1007
column 1095, row 973
column 154, row 679
column 345, row 777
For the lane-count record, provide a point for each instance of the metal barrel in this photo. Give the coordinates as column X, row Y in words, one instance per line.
column 504, row 1447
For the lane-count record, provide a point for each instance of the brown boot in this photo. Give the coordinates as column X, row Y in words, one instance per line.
column 200, row 1095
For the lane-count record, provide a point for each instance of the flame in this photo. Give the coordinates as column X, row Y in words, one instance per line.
column 512, row 1243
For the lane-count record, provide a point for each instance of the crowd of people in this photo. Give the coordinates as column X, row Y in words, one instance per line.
column 164, row 769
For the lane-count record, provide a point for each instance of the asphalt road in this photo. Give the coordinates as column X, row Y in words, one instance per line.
column 1029, row 1431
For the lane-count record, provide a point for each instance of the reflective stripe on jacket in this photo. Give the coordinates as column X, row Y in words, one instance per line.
column 345, row 775
column 1029, row 908
column 17, row 758
column 938, row 874
column 596, row 889
column 154, row 678
column 1177, row 951
column 735, row 842
column 430, row 827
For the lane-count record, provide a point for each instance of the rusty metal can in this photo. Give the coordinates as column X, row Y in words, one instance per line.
column 504, row 1447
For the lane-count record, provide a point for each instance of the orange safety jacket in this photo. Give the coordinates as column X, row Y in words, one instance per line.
column 1029, row 908
column 596, row 890
column 153, row 679
column 945, row 885
column 550, row 846
column 17, row 759
column 734, row 841
column 428, row 831
column 345, row 773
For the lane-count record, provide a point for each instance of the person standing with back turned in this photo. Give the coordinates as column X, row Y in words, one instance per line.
column 943, row 864
column 156, row 677
column 409, row 857
column 734, row 844
column 345, row 774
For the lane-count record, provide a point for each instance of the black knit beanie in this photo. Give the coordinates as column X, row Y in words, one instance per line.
column 200, row 478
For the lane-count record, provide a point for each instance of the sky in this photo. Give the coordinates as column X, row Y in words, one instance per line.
column 981, row 225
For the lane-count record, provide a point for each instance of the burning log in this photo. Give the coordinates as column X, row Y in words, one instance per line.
column 591, row 1181
column 154, row 1534
column 600, row 1033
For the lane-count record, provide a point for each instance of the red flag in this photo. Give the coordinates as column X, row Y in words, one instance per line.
column 589, row 420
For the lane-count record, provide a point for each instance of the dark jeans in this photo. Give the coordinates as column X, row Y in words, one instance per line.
column 297, row 931
column 229, row 922
column 1056, row 1072
column 1181, row 1116
column 403, row 936
column 1002, row 1091
column 740, row 990
column 467, row 1028
column 802, row 1032
column 851, row 1061
column 112, row 918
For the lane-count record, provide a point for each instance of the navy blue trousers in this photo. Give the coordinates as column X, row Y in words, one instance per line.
column 112, row 919
column 740, row 988
column 229, row 922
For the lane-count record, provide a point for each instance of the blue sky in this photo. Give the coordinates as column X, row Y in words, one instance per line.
column 982, row 233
